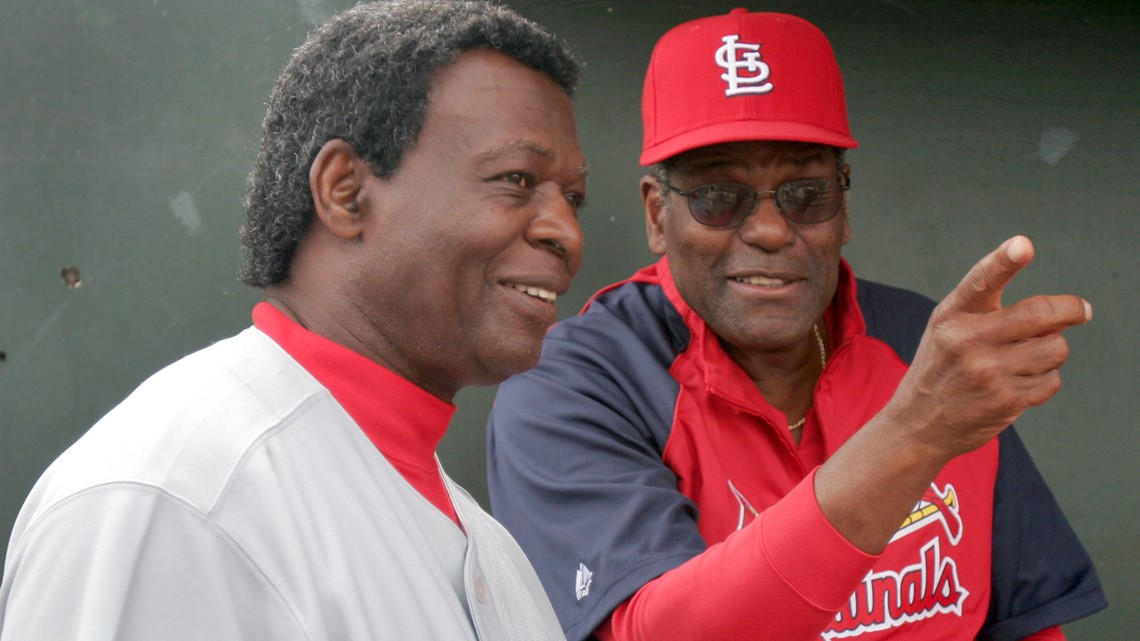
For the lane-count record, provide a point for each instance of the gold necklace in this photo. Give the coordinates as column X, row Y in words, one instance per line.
column 822, row 364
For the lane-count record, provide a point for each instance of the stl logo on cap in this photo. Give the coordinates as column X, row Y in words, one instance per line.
column 734, row 56
column 741, row 76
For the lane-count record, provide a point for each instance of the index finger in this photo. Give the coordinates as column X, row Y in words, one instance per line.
column 981, row 289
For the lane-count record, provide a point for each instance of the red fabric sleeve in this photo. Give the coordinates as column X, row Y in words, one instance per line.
column 790, row 559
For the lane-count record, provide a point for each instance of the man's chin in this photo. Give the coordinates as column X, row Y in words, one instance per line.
column 508, row 360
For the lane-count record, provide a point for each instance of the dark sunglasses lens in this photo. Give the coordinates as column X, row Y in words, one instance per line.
column 720, row 205
column 809, row 201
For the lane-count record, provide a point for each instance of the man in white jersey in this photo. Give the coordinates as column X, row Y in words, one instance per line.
column 411, row 217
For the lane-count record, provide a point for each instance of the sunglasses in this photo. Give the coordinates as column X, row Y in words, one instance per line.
column 805, row 201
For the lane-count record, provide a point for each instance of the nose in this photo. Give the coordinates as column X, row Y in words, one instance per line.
column 555, row 228
column 766, row 227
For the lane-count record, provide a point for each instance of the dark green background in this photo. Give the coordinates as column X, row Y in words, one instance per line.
column 127, row 126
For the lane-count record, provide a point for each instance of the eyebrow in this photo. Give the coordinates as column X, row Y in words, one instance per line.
column 529, row 146
column 518, row 144
column 809, row 158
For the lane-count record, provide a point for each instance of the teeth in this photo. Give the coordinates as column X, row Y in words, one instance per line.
column 760, row 280
column 537, row 292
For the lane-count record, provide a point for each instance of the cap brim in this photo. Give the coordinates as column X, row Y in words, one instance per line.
column 745, row 130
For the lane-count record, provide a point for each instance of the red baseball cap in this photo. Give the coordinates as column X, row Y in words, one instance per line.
column 742, row 76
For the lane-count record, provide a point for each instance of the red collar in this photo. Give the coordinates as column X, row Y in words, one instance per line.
column 727, row 380
column 405, row 422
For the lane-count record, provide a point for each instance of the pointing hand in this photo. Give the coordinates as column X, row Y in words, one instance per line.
column 980, row 365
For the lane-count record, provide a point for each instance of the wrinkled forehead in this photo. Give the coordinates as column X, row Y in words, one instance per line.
column 753, row 152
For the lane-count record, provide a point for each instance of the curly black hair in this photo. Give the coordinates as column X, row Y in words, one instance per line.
column 364, row 77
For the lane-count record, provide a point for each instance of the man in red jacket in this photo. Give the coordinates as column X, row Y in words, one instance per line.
column 744, row 441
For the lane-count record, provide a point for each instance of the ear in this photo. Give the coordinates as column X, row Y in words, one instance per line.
column 655, row 213
column 336, row 180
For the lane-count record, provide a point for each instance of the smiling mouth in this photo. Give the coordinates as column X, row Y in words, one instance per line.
column 537, row 292
column 762, row 281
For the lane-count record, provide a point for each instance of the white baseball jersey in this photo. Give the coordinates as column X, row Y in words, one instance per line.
column 231, row 498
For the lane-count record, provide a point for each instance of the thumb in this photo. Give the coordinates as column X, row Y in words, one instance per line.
column 982, row 287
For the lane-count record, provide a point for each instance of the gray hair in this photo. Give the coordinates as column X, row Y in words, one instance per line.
column 364, row 77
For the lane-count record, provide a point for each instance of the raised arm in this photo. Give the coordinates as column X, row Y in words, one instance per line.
column 979, row 366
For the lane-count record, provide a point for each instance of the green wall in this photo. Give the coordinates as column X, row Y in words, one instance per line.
column 127, row 126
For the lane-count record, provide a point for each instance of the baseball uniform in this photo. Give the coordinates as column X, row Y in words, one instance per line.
column 231, row 496
column 637, row 444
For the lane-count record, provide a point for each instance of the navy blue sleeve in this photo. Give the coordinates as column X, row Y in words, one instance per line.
column 1042, row 576
column 575, row 464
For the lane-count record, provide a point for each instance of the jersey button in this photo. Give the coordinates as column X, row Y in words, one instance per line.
column 481, row 590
